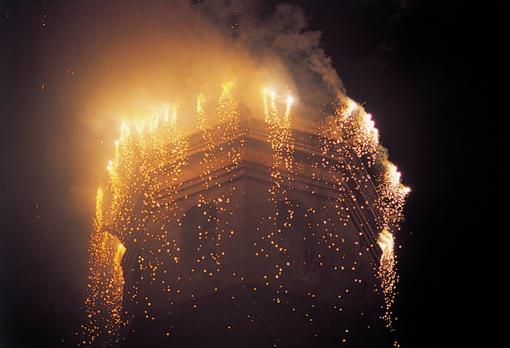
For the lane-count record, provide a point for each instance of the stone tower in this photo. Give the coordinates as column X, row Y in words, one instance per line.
column 262, row 238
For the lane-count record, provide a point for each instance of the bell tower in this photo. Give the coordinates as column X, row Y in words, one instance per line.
column 259, row 233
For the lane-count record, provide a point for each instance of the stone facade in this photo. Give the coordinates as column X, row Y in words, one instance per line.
column 246, row 267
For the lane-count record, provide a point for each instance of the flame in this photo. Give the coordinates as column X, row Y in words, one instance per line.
column 281, row 139
column 394, row 177
column 154, row 122
column 175, row 107
column 351, row 106
column 121, row 249
column 166, row 113
column 227, row 86
column 385, row 241
column 387, row 273
column 265, row 94
column 290, row 101
column 270, row 100
column 393, row 174
column 124, row 130
column 99, row 218
column 369, row 127
column 200, row 104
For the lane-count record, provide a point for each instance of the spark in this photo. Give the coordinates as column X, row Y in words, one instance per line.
column 290, row 101
column 145, row 179
column 351, row 106
column 387, row 273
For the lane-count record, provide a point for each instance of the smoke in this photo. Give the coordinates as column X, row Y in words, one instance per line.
column 292, row 41
column 95, row 64
column 100, row 63
column 109, row 62
column 133, row 56
column 78, row 69
column 284, row 36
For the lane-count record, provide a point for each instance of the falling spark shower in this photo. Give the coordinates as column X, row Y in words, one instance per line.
column 155, row 147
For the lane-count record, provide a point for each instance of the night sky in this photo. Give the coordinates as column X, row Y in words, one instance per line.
column 413, row 62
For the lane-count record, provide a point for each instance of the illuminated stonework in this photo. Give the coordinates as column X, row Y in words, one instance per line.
column 253, row 231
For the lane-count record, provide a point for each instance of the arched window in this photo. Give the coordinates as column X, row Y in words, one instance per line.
column 199, row 239
column 295, row 235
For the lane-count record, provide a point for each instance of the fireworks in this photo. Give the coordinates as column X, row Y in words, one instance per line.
column 387, row 273
column 149, row 181
column 280, row 138
column 104, row 300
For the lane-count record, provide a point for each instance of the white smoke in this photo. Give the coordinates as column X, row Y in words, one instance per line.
column 284, row 35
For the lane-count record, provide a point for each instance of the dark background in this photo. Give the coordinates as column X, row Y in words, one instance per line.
column 416, row 63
